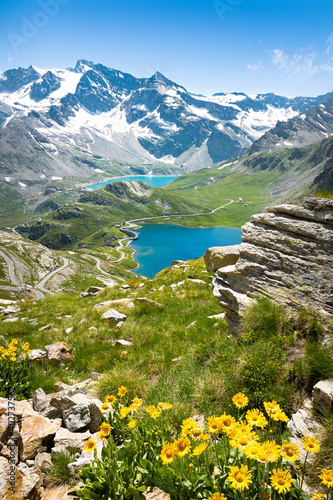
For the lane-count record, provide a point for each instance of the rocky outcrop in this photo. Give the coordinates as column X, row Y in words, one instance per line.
column 287, row 255
column 217, row 257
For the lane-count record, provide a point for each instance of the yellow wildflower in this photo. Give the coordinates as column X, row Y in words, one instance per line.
column 137, row 401
column 110, row 399
column 205, row 437
column 226, row 422
column 105, row 407
column 240, row 477
column 105, row 429
column 214, row 425
column 188, row 425
column 199, row 449
column 281, row 480
column 124, row 412
column 217, row 496
column 290, row 451
column 182, row 446
column 153, row 412
column 132, row 423
column 165, row 406
column 25, row 346
column 122, row 391
column 256, row 418
column 252, row 450
column 269, row 452
column 240, row 400
column 310, row 444
column 90, row 445
column 14, row 341
column 168, row 453
column 326, row 477
column 318, row 496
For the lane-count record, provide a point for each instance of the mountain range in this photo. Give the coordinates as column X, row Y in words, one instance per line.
column 92, row 120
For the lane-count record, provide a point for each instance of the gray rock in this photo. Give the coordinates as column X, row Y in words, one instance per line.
column 303, row 424
column 286, row 254
column 10, row 320
column 143, row 300
column 123, row 342
column 77, row 417
column 37, row 354
column 39, row 401
column 94, row 289
column 43, row 460
column 176, row 262
column 62, row 404
column 323, row 397
column 65, row 439
column 114, row 316
column 217, row 257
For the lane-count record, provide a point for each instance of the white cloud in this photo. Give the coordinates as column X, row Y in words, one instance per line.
column 329, row 50
column 302, row 64
column 254, row 67
column 305, row 62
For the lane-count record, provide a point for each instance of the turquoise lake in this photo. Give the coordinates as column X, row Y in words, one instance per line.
column 153, row 181
column 159, row 244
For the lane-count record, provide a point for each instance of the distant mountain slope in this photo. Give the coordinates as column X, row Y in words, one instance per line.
column 312, row 126
column 117, row 115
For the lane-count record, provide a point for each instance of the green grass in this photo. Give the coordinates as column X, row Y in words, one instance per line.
column 198, row 369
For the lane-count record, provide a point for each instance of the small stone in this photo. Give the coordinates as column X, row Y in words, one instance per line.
column 217, row 316
column 39, row 401
column 92, row 329
column 33, row 321
column 69, row 330
column 42, row 461
column 37, row 354
column 125, row 286
column 114, row 316
column 192, row 324
column 65, row 439
column 95, row 375
column 46, row 327
column 83, row 320
column 10, row 320
column 123, row 342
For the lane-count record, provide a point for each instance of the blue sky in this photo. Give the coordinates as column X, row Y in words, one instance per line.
column 208, row 46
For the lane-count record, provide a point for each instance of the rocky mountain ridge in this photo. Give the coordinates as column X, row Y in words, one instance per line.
column 115, row 114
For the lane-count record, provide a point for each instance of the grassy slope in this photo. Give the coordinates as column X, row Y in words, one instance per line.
column 196, row 368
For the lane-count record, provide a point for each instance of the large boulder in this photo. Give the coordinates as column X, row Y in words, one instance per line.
column 37, row 434
column 217, row 257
